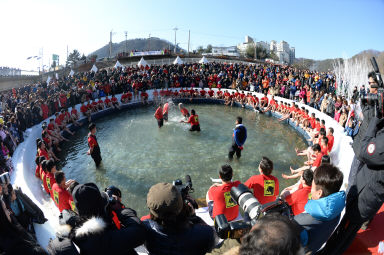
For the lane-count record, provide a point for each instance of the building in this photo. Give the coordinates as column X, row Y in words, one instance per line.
column 7, row 71
column 282, row 50
column 225, row 51
column 242, row 47
column 292, row 55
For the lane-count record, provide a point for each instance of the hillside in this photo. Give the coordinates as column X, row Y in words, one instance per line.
column 140, row 44
column 327, row 64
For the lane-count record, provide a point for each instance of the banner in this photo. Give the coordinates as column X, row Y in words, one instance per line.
column 146, row 53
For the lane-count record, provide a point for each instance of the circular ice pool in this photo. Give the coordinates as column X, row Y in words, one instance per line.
column 137, row 154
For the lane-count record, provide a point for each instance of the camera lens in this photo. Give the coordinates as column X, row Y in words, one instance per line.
column 245, row 199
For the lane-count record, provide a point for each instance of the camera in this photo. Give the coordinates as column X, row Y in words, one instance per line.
column 113, row 203
column 185, row 189
column 251, row 207
column 375, row 99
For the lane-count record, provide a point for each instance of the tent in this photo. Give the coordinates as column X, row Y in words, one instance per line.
column 94, row 68
column 71, row 73
column 142, row 62
column 178, row 61
column 118, row 64
column 203, row 60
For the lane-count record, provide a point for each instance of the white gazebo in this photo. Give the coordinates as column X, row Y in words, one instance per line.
column 94, row 68
column 178, row 61
column 142, row 62
column 118, row 64
column 203, row 60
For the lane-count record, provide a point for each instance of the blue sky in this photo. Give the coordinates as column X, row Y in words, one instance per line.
column 317, row 29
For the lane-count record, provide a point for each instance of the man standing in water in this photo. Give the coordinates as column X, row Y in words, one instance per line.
column 165, row 111
column 94, row 149
column 238, row 139
column 194, row 120
column 159, row 115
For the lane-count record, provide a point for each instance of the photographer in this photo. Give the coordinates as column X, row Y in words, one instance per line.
column 93, row 231
column 365, row 193
column 169, row 229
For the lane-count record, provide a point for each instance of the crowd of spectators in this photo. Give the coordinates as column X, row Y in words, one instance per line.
column 95, row 225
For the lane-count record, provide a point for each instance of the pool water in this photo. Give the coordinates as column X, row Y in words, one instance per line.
column 137, row 154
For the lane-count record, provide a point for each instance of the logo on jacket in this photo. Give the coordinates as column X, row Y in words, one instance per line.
column 371, row 148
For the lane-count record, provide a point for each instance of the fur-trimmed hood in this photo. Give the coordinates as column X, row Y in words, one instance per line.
column 94, row 225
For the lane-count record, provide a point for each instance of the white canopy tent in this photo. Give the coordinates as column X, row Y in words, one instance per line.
column 178, row 61
column 142, row 62
column 203, row 60
column 118, row 64
column 94, row 68
column 71, row 73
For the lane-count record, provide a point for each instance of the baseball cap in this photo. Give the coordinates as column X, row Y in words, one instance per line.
column 164, row 200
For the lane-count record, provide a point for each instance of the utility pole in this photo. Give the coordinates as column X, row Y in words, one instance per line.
column 110, row 44
column 189, row 39
column 126, row 34
column 175, row 29
column 149, row 42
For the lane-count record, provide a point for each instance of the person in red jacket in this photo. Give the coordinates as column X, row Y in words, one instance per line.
column 183, row 111
column 165, row 112
column 194, row 121
column 265, row 186
column 219, row 198
column 159, row 115
column 59, row 193
column 85, row 111
column 38, row 162
column 331, row 139
column 299, row 198
column 114, row 101
column 144, row 97
column 49, row 178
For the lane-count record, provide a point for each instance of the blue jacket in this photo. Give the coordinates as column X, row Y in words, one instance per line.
column 240, row 135
column 319, row 219
column 352, row 132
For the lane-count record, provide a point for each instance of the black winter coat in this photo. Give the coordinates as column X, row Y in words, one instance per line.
column 96, row 236
column 195, row 239
column 366, row 194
